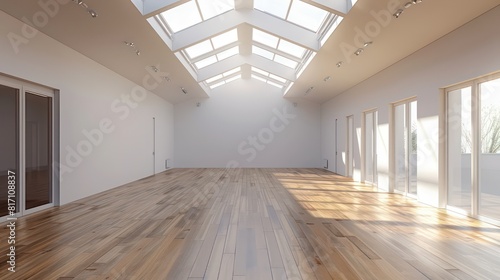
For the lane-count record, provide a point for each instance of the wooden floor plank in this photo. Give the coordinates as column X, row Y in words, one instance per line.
column 250, row 224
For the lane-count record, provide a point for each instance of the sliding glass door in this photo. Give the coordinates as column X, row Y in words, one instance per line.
column 473, row 112
column 489, row 156
column 38, row 150
column 405, row 147
column 349, row 157
column 26, row 164
column 9, row 149
column 370, row 147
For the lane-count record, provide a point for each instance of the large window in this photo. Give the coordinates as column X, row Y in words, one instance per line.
column 405, row 147
column 473, row 126
column 370, row 147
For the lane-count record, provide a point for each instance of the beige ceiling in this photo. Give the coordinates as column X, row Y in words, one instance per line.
column 101, row 39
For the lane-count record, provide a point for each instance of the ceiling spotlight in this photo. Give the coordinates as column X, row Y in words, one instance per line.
column 416, row 1
column 130, row 44
column 154, row 68
column 92, row 13
column 138, row 52
column 309, row 90
column 184, row 90
column 366, row 44
column 85, row 6
column 326, row 79
column 166, row 78
column 339, row 64
column 359, row 51
column 408, row 4
column 398, row 13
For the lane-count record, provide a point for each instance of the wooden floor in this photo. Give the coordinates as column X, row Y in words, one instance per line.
column 250, row 224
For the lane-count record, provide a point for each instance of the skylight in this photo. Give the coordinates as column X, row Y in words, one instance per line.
column 216, row 42
column 277, row 44
column 182, row 16
column 264, row 76
column 212, row 8
column 277, row 8
column 306, row 15
column 224, row 78
column 227, row 81
column 295, row 11
column 201, row 35
column 194, row 12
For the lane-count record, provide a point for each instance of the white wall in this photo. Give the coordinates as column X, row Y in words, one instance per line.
column 468, row 52
column 91, row 94
column 216, row 134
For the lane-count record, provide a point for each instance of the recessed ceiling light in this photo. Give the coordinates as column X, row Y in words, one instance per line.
column 309, row 90
column 359, row 51
column 184, row 90
column 154, row 68
column 326, row 79
column 339, row 64
column 408, row 4
column 366, row 44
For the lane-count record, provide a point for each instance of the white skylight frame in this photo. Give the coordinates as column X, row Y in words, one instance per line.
column 269, row 78
column 224, row 78
column 276, row 43
column 288, row 51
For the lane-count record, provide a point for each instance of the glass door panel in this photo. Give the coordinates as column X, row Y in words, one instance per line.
column 400, row 147
column 489, row 158
column 412, row 148
column 9, row 149
column 38, row 159
column 459, row 148
column 371, row 147
column 350, row 147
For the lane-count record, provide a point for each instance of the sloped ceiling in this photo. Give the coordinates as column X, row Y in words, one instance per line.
column 101, row 39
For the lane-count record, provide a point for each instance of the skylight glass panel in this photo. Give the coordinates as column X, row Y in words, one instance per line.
column 262, row 52
column 286, row 61
column 199, row 49
column 265, row 38
column 225, row 39
column 235, row 70
column 277, row 8
column 262, row 72
column 205, row 62
column 278, row 78
column 258, row 78
column 228, row 53
column 275, row 84
column 182, row 16
column 213, row 79
column 306, row 15
column 217, row 85
column 233, row 78
column 212, row 8
column 291, row 48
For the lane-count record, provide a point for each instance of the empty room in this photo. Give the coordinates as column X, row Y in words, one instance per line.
column 249, row 139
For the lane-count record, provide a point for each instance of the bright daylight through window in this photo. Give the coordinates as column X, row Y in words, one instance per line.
column 220, row 41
